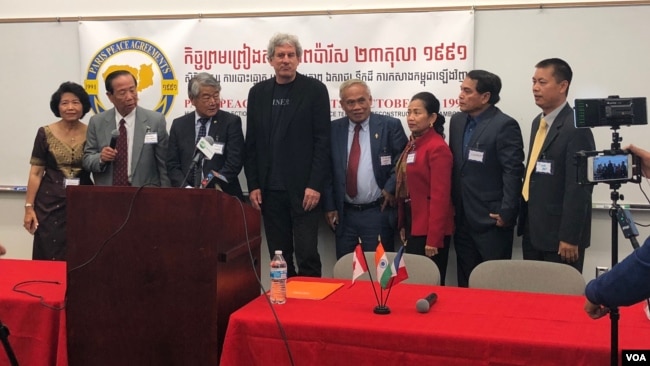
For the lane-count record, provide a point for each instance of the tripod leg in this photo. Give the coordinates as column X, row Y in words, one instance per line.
column 4, row 337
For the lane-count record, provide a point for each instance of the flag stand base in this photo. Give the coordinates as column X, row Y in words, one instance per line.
column 382, row 310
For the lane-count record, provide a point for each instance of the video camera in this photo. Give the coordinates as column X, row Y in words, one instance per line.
column 612, row 111
column 614, row 166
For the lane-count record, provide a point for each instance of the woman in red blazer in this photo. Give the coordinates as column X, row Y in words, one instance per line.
column 425, row 215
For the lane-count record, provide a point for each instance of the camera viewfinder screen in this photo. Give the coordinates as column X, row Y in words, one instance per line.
column 610, row 167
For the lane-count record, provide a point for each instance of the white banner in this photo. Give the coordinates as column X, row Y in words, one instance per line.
column 398, row 55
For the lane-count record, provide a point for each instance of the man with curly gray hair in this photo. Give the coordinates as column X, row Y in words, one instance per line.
column 287, row 155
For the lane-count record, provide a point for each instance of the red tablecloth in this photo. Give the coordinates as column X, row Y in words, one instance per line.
column 37, row 333
column 464, row 327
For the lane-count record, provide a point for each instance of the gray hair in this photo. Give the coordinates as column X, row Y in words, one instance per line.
column 201, row 79
column 348, row 83
column 280, row 39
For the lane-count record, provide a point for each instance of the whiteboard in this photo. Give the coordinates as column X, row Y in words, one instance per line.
column 606, row 47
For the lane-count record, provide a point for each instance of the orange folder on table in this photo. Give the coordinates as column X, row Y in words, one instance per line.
column 311, row 290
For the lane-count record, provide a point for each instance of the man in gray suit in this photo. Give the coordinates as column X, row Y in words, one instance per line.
column 371, row 211
column 488, row 166
column 555, row 217
column 142, row 145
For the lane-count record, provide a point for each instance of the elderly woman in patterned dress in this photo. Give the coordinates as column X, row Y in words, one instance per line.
column 56, row 164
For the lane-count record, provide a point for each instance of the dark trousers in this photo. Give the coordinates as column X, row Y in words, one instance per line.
column 416, row 246
column 290, row 229
column 366, row 225
column 474, row 248
column 532, row 253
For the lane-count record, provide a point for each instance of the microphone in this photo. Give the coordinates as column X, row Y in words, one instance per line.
column 206, row 180
column 114, row 135
column 423, row 305
column 220, row 176
column 203, row 149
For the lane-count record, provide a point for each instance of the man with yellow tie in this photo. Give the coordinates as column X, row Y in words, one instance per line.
column 555, row 218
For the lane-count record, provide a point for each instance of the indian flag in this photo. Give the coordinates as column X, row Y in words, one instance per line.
column 385, row 268
column 359, row 265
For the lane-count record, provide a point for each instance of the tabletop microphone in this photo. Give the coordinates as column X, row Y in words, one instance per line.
column 114, row 135
column 423, row 305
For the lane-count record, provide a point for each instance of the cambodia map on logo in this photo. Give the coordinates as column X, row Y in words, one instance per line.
column 144, row 75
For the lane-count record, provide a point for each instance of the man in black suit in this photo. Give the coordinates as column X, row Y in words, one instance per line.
column 288, row 154
column 207, row 120
column 488, row 166
column 371, row 210
column 555, row 217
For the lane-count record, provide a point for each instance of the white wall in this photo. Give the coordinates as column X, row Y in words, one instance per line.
column 80, row 8
column 606, row 47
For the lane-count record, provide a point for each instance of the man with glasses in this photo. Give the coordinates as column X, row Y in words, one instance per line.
column 287, row 155
column 207, row 120
column 138, row 156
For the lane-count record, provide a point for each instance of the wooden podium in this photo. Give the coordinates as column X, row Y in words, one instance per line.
column 154, row 273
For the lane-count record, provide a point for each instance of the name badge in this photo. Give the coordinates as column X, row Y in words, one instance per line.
column 385, row 160
column 410, row 158
column 475, row 155
column 218, row 147
column 71, row 182
column 544, row 167
column 151, row 138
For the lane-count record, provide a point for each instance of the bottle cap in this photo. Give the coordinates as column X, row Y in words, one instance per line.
column 278, row 252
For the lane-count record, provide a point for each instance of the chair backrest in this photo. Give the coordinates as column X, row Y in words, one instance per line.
column 421, row 269
column 528, row 276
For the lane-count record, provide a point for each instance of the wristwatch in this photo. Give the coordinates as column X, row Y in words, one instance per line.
column 29, row 205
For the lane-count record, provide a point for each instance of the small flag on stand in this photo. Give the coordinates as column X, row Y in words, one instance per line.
column 385, row 269
column 401, row 274
column 359, row 265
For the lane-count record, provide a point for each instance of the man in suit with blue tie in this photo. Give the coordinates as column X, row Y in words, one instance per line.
column 362, row 206
column 555, row 218
column 207, row 120
column 138, row 159
column 488, row 166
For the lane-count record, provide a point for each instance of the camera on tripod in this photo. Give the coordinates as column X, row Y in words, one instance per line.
column 613, row 166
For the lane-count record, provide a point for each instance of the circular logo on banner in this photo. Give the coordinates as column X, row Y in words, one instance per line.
column 157, row 86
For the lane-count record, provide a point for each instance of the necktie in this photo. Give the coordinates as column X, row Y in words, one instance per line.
column 534, row 153
column 202, row 128
column 353, row 164
column 121, row 163
column 196, row 174
column 469, row 129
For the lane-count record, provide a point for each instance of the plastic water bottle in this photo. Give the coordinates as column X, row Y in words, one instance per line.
column 278, row 278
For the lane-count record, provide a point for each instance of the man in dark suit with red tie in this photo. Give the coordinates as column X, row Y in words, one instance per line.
column 287, row 155
column 207, row 120
column 363, row 207
column 488, row 166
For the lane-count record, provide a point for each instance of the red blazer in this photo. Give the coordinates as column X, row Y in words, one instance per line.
column 428, row 179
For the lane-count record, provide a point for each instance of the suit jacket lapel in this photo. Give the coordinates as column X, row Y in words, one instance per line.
column 554, row 131
column 341, row 139
column 486, row 117
column 109, row 124
column 267, row 108
column 376, row 130
column 139, row 130
column 213, row 126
